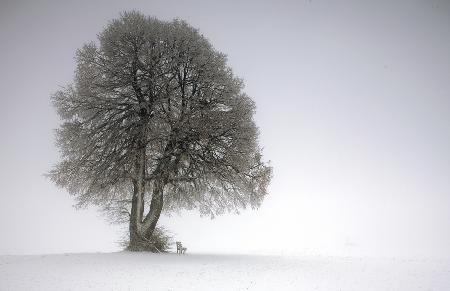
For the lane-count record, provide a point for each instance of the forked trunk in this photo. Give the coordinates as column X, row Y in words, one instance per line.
column 141, row 230
column 141, row 233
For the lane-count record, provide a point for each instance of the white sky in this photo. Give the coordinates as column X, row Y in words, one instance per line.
column 353, row 106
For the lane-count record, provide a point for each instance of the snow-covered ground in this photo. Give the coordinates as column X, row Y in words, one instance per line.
column 143, row 271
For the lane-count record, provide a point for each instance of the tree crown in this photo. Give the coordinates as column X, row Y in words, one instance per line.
column 159, row 88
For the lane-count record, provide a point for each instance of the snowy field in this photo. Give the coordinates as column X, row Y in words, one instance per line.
column 138, row 271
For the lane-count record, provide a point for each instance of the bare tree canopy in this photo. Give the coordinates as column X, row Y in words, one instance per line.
column 156, row 117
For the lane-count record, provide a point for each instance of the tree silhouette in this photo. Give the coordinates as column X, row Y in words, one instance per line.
column 156, row 120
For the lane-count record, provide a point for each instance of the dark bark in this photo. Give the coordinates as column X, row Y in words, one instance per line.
column 141, row 232
column 136, row 236
column 134, row 222
column 154, row 213
column 137, row 202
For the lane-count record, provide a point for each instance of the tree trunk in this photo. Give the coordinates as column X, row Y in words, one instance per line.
column 156, row 205
column 137, row 202
column 141, row 231
column 135, row 223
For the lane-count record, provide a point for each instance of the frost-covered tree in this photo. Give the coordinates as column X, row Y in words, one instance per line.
column 156, row 120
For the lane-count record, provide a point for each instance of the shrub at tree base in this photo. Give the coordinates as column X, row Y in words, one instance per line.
column 160, row 242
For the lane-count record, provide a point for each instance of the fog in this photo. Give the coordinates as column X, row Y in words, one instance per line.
column 353, row 107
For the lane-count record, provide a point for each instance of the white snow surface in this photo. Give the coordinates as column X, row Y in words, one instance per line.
column 145, row 271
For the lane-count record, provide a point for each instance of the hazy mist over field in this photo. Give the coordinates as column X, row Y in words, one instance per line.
column 353, row 108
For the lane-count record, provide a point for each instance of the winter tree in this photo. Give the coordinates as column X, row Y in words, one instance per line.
column 155, row 120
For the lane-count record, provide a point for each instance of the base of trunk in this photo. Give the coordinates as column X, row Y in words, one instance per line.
column 159, row 242
column 143, row 246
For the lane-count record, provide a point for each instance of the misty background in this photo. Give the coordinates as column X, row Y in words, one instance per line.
column 353, row 107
